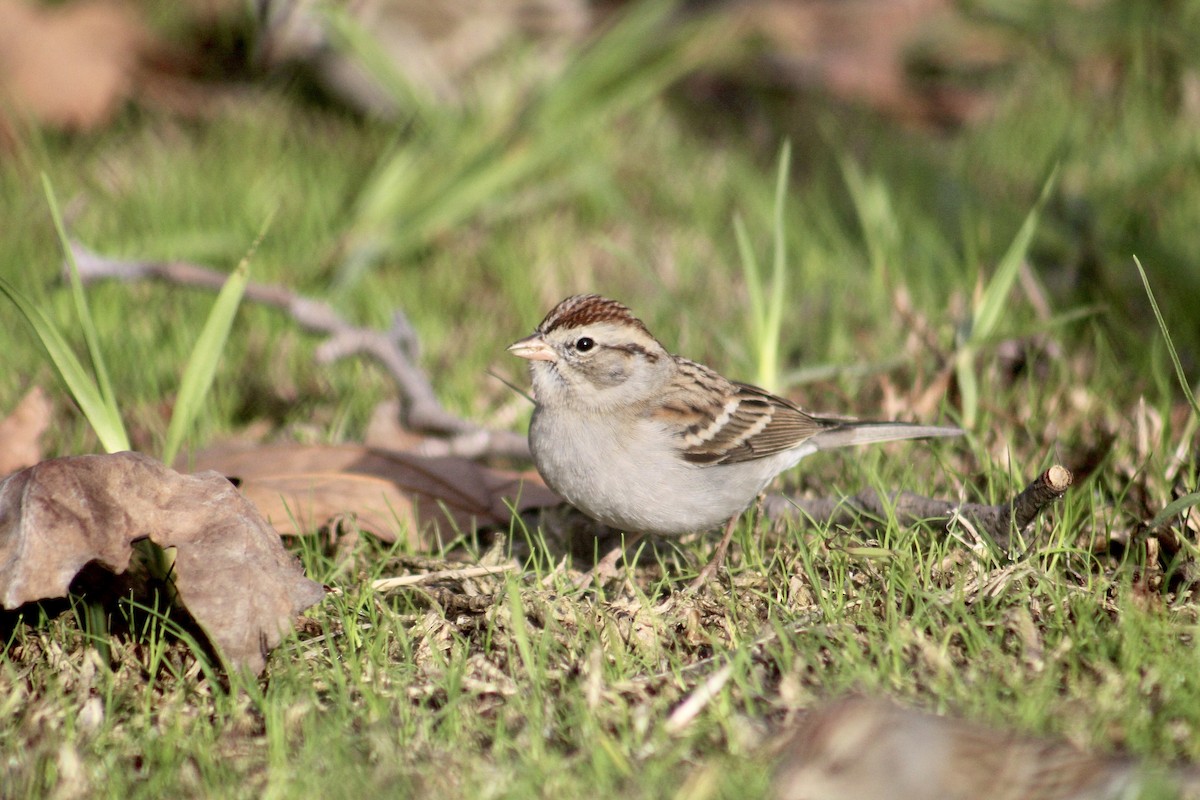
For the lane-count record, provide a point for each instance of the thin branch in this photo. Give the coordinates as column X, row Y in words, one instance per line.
column 394, row 349
column 998, row 521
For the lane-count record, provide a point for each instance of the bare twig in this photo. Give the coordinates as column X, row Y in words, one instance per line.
column 997, row 521
column 394, row 349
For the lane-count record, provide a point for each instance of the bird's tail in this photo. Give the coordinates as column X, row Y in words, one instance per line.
column 845, row 434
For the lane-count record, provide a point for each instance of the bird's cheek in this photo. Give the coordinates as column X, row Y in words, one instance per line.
column 610, row 375
column 616, row 376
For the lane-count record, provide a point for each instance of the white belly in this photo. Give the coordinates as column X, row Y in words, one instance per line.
column 645, row 490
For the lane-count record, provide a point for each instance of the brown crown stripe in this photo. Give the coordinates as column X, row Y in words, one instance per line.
column 587, row 309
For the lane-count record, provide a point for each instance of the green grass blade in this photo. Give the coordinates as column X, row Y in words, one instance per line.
column 521, row 636
column 1162, row 326
column 769, row 368
column 988, row 311
column 1174, row 508
column 876, row 214
column 968, row 385
column 767, row 305
column 995, row 297
column 206, row 355
column 90, row 336
column 353, row 40
column 751, row 273
column 102, row 417
column 639, row 53
column 107, row 413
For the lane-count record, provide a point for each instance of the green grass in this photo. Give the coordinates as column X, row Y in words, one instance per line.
column 538, row 689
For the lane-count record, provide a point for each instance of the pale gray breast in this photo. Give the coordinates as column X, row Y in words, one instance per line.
column 646, row 488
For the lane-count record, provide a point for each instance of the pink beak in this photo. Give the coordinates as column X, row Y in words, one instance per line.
column 533, row 348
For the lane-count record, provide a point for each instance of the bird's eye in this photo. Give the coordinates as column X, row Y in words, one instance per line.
column 584, row 343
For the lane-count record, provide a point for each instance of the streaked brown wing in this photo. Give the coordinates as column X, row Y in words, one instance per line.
column 751, row 424
column 761, row 425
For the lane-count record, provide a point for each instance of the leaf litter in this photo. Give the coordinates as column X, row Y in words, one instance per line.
column 231, row 571
column 392, row 494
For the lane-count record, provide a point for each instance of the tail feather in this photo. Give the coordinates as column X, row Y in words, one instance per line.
column 845, row 434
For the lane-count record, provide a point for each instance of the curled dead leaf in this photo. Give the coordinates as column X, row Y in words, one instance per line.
column 301, row 487
column 231, row 571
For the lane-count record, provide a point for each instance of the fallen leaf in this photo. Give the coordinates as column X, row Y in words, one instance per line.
column 301, row 487
column 231, row 571
column 21, row 432
column 69, row 66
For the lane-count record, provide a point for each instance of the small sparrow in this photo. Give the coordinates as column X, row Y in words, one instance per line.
column 649, row 442
column 861, row 749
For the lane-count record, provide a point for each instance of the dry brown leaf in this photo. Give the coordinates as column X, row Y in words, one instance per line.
column 21, row 432
column 301, row 487
column 231, row 571
column 70, row 66
column 300, row 504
